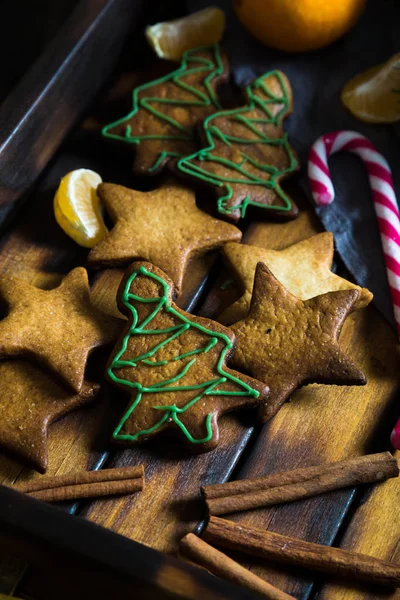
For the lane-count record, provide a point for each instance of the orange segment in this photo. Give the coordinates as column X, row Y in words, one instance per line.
column 374, row 95
column 171, row 39
column 77, row 207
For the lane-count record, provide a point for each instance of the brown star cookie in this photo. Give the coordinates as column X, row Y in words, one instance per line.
column 288, row 343
column 173, row 364
column 57, row 328
column 29, row 402
column 246, row 154
column 164, row 227
column 303, row 268
column 166, row 111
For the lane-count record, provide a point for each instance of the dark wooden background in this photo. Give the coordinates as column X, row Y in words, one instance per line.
column 320, row 424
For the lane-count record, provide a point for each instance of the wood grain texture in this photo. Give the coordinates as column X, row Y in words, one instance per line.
column 374, row 528
column 35, row 251
column 35, row 118
column 170, row 505
column 320, row 424
column 88, row 559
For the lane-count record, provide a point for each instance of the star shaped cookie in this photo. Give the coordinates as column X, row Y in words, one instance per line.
column 286, row 342
column 303, row 268
column 57, row 328
column 173, row 365
column 163, row 226
column 29, row 402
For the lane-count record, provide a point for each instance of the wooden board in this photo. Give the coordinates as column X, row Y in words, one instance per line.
column 37, row 252
column 320, row 424
column 102, row 565
column 171, row 500
column 43, row 107
column 374, row 530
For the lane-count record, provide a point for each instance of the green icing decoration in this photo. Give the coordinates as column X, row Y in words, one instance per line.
column 212, row 132
column 190, row 65
column 205, row 388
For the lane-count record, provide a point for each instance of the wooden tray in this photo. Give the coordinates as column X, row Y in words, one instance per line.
column 105, row 564
column 320, row 424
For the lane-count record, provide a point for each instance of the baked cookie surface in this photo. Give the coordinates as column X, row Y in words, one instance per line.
column 173, row 364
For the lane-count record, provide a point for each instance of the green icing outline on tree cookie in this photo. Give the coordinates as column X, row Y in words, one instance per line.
column 205, row 154
column 207, row 387
column 213, row 68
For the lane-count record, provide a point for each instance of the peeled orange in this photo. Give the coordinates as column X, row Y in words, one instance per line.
column 171, row 39
column 374, row 95
column 77, row 207
column 298, row 25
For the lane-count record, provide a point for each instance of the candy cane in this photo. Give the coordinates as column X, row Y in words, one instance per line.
column 380, row 179
column 395, row 436
column 387, row 212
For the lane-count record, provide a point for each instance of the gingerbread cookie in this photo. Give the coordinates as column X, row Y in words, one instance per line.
column 30, row 401
column 57, row 328
column 286, row 342
column 246, row 153
column 165, row 112
column 173, row 364
column 303, row 268
column 164, row 227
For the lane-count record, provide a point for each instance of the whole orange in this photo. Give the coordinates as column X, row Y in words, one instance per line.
column 298, row 25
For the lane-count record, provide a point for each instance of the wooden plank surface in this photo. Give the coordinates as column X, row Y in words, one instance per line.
column 374, row 529
column 37, row 115
column 35, row 251
column 87, row 570
column 320, row 424
column 170, row 505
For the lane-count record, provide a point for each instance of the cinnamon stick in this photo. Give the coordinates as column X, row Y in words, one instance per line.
column 221, row 565
column 302, row 483
column 69, row 479
column 284, row 549
column 89, row 490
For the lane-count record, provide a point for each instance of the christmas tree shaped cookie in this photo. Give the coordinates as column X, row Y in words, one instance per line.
column 165, row 111
column 247, row 153
column 173, row 364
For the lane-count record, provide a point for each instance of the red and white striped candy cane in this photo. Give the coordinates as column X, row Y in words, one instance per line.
column 386, row 208
column 380, row 179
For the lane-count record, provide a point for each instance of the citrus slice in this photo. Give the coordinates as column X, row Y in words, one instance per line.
column 374, row 95
column 77, row 207
column 171, row 39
